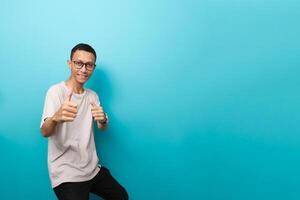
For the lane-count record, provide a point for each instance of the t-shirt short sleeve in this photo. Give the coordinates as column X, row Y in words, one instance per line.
column 51, row 105
column 93, row 98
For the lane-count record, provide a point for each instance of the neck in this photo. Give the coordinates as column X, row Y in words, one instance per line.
column 75, row 86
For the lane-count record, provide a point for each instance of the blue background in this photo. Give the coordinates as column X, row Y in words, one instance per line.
column 203, row 96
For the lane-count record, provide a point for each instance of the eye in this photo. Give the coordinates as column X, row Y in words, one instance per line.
column 90, row 66
column 79, row 63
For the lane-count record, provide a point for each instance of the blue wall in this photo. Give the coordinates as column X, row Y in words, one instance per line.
column 203, row 96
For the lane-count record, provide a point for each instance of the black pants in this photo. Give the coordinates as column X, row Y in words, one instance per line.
column 103, row 185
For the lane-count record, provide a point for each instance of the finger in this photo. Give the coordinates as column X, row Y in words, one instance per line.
column 70, row 109
column 69, row 95
column 100, row 119
column 98, row 115
column 69, row 114
column 71, row 104
column 68, row 119
column 99, row 109
column 97, row 112
column 95, row 104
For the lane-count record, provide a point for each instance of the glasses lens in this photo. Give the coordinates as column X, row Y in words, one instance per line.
column 78, row 64
column 90, row 66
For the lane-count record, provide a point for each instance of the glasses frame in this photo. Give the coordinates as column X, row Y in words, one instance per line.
column 77, row 66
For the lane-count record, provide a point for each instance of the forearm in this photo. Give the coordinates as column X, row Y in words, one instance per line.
column 49, row 126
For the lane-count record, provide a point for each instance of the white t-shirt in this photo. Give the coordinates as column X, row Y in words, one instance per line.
column 72, row 154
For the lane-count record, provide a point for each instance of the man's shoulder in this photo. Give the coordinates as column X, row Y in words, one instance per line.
column 92, row 95
column 90, row 91
column 55, row 88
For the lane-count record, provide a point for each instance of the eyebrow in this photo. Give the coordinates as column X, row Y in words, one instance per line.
column 78, row 60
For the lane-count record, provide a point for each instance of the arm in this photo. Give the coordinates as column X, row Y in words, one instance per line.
column 66, row 113
column 102, row 125
column 48, row 127
column 100, row 116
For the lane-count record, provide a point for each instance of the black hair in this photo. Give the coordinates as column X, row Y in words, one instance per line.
column 84, row 47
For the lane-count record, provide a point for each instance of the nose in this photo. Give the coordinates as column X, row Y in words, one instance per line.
column 83, row 68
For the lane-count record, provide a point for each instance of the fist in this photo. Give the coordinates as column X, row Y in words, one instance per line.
column 98, row 113
column 68, row 110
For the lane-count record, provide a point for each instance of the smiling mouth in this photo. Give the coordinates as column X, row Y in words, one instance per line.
column 82, row 76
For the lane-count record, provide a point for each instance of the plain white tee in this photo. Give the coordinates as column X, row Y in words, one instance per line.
column 72, row 154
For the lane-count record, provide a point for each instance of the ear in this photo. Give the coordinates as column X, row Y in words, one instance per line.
column 69, row 62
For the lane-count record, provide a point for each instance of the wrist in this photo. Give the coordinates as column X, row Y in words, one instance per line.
column 105, row 121
column 54, row 119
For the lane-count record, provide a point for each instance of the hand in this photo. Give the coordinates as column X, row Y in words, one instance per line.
column 68, row 110
column 98, row 113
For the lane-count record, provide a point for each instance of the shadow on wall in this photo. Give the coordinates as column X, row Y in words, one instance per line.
column 110, row 147
column 101, row 84
column 1, row 102
column 2, row 117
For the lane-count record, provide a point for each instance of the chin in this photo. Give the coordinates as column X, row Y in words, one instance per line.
column 81, row 81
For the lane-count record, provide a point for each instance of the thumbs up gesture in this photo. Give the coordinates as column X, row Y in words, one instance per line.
column 98, row 113
column 68, row 110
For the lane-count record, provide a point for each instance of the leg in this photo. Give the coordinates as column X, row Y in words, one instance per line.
column 107, row 187
column 73, row 191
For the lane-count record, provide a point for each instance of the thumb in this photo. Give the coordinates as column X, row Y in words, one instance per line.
column 93, row 104
column 69, row 95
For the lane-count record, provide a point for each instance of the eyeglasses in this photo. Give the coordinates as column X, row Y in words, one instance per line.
column 88, row 66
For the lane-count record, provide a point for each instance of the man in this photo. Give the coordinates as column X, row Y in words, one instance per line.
column 67, row 121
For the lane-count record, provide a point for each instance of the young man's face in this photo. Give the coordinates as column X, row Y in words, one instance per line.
column 82, row 66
